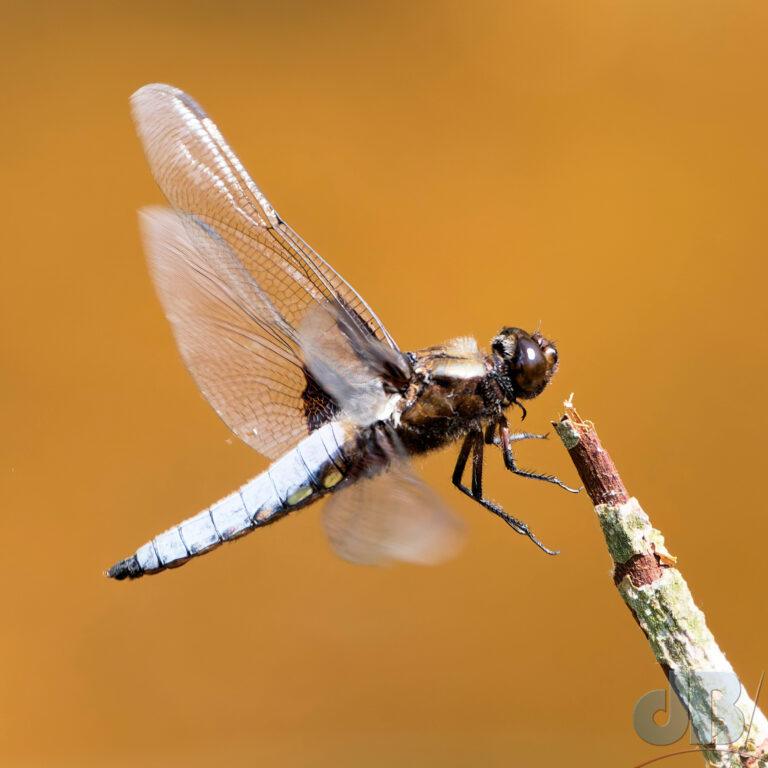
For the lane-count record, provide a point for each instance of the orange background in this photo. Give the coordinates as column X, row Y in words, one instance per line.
column 600, row 167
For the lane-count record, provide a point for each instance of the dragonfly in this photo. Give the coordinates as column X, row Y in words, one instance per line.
column 299, row 367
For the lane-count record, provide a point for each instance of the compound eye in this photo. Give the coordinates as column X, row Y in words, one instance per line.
column 531, row 357
column 531, row 368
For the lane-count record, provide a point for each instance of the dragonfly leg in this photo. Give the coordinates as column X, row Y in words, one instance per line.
column 514, row 437
column 461, row 463
column 506, row 440
column 473, row 444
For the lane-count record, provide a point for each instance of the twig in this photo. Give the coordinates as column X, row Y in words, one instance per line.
column 654, row 590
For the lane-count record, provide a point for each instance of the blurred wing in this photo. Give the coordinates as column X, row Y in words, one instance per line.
column 391, row 517
column 249, row 282
column 352, row 367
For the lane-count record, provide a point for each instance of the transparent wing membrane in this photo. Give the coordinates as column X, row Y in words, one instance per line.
column 237, row 283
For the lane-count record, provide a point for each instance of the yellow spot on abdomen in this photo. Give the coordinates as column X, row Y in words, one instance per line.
column 298, row 496
column 332, row 477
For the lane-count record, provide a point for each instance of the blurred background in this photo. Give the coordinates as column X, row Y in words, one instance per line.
column 598, row 167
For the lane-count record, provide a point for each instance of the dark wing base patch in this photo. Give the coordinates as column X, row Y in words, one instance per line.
column 319, row 406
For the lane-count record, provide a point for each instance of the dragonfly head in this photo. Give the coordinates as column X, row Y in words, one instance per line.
column 528, row 361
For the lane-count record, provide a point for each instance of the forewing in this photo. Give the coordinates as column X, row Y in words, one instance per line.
column 391, row 517
column 236, row 257
column 201, row 176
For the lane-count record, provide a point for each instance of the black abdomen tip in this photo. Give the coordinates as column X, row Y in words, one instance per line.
column 126, row 569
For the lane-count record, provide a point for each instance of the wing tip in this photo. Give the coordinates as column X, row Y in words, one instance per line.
column 152, row 90
column 147, row 100
column 149, row 214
